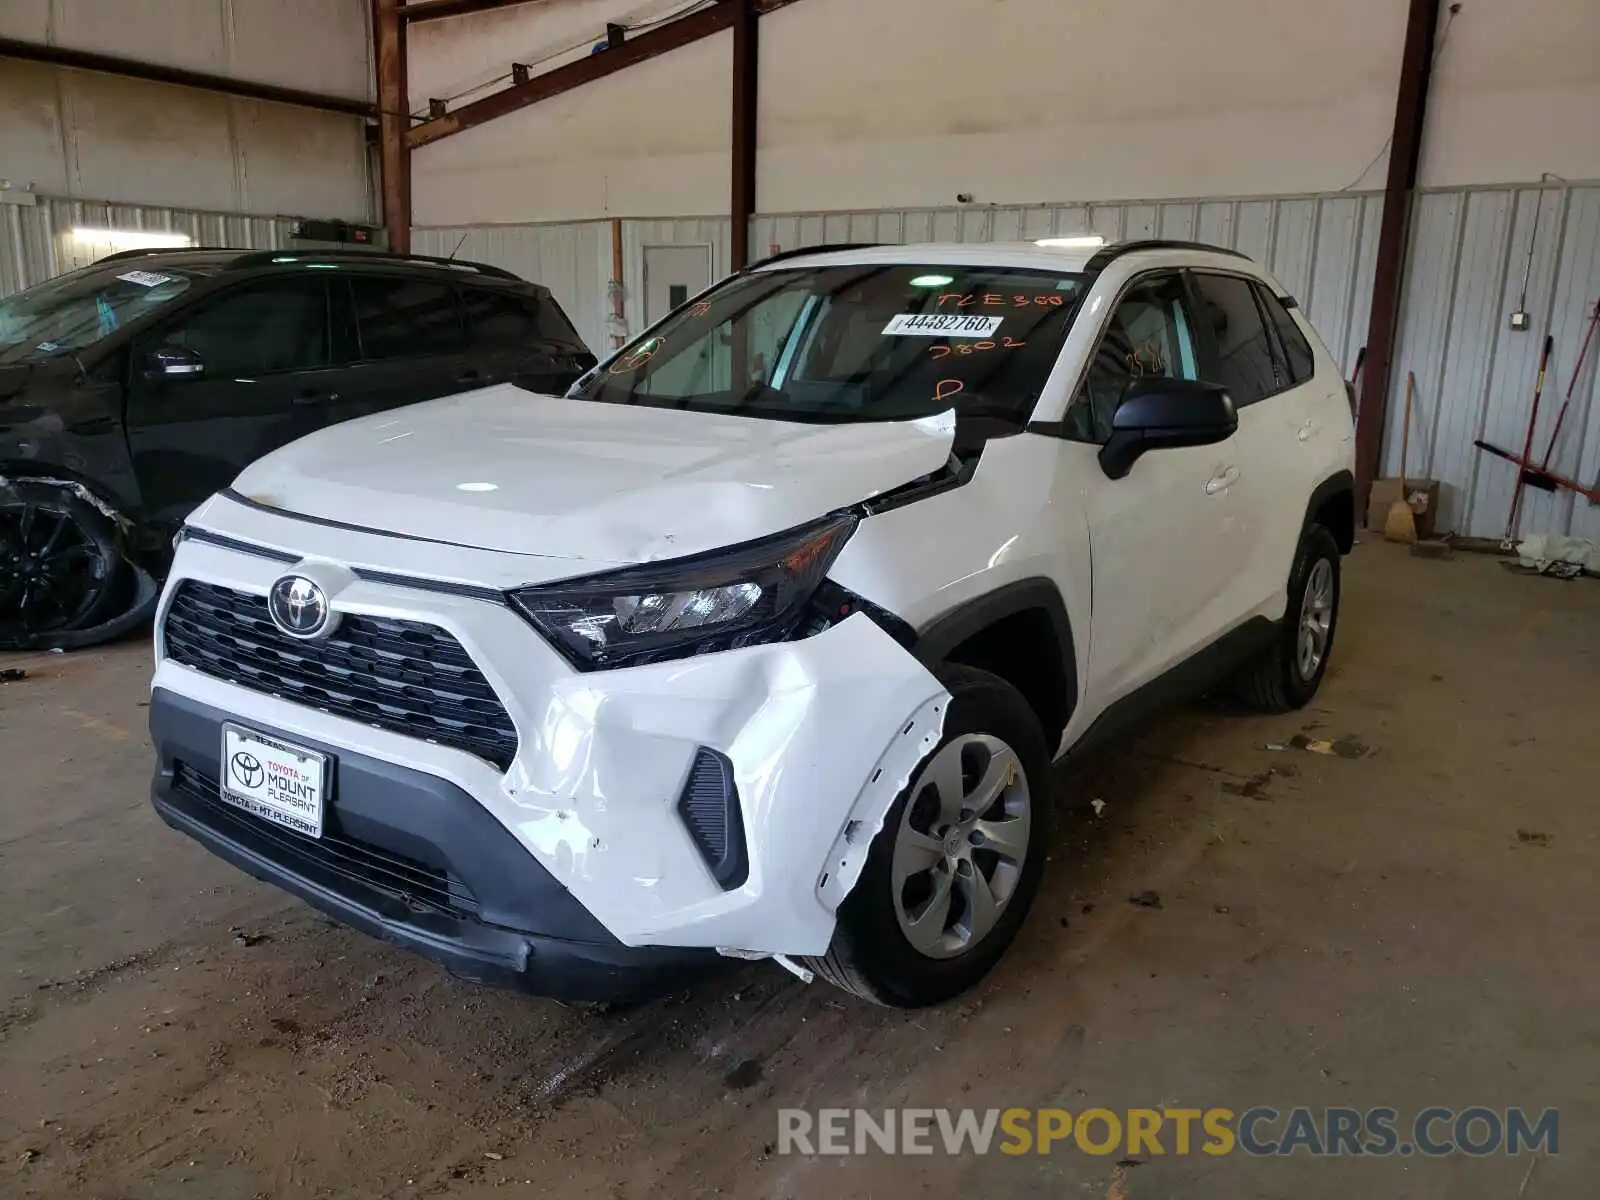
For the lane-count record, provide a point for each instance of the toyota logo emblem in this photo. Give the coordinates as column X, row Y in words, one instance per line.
column 246, row 770
column 300, row 608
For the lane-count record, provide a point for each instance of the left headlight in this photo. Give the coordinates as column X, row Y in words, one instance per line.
column 743, row 596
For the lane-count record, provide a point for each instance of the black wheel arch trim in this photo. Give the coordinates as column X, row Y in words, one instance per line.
column 944, row 633
column 1339, row 481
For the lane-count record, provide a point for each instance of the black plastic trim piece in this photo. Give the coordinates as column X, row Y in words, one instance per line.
column 1190, row 678
column 191, row 533
column 1339, row 481
column 955, row 473
column 1104, row 257
column 942, row 635
column 446, row 587
column 729, row 865
column 329, row 523
column 1288, row 302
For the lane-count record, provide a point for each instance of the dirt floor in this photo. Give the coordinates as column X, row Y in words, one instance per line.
column 1408, row 921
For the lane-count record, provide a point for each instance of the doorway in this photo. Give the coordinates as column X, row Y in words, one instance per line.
column 671, row 275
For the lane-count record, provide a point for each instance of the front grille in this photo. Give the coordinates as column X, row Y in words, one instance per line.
column 402, row 676
column 415, row 883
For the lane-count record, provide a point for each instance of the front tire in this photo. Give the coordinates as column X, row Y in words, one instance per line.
column 951, row 874
column 1290, row 671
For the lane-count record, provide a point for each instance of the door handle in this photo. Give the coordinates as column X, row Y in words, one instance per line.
column 1308, row 430
column 470, row 375
column 307, row 398
column 1222, row 481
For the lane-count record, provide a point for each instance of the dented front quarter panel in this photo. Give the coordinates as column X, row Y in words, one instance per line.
column 823, row 734
column 53, row 428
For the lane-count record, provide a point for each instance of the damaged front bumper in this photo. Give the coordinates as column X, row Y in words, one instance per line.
column 816, row 738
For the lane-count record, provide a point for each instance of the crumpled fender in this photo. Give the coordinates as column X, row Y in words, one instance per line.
column 823, row 734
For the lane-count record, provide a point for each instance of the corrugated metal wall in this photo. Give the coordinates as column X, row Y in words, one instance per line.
column 1475, row 375
column 36, row 240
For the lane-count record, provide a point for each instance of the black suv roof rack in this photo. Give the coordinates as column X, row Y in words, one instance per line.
column 801, row 251
column 262, row 258
column 146, row 251
column 1106, row 255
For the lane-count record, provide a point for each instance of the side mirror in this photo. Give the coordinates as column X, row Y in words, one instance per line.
column 173, row 362
column 1160, row 414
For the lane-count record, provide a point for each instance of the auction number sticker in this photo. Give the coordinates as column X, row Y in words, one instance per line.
column 146, row 278
column 954, row 325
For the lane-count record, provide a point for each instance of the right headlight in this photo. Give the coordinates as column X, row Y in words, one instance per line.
column 743, row 596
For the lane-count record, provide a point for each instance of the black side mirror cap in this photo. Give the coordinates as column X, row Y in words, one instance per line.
column 1158, row 414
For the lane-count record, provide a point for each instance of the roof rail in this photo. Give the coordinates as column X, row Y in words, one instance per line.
column 262, row 258
column 144, row 251
column 800, row 251
column 1106, row 255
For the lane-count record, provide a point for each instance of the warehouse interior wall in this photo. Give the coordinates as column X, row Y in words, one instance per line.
column 80, row 135
column 1515, row 95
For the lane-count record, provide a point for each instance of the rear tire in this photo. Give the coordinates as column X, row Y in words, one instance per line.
column 951, row 874
column 1290, row 671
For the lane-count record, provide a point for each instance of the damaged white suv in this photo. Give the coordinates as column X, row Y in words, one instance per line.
column 761, row 641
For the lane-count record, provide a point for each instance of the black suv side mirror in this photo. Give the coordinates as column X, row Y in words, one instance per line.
column 173, row 362
column 1157, row 414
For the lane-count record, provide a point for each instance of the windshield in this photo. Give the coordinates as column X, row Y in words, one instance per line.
column 77, row 310
column 852, row 343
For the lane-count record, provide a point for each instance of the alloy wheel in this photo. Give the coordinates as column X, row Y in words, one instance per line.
column 961, row 845
column 1316, row 619
column 51, row 571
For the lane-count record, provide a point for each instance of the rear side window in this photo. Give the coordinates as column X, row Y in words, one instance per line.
column 1296, row 350
column 511, row 320
column 1242, row 358
column 406, row 318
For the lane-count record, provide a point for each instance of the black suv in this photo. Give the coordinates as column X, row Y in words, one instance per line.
column 133, row 389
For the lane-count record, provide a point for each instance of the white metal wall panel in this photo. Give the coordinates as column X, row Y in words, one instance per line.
column 317, row 45
column 572, row 260
column 80, row 133
column 36, row 240
column 1475, row 376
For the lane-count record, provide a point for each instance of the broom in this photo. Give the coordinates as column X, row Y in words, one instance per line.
column 1401, row 524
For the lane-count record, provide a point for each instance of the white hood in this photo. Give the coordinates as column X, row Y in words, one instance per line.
column 504, row 469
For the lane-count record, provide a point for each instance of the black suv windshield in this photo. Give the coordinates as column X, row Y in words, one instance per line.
column 79, row 309
column 852, row 343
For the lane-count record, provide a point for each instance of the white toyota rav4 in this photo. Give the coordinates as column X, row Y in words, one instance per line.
column 761, row 641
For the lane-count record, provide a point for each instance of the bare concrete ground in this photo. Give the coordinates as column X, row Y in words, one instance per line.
column 1416, row 924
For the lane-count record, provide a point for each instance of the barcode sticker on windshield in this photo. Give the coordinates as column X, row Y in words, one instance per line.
column 145, row 278
column 953, row 325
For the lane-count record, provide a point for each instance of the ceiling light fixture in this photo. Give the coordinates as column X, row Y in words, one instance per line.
column 132, row 239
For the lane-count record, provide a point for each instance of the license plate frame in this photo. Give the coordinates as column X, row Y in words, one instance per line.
column 275, row 780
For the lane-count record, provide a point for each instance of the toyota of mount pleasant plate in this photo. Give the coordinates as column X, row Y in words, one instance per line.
column 278, row 782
